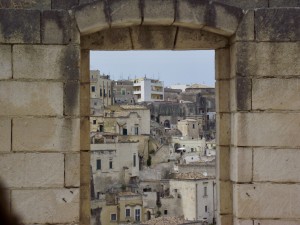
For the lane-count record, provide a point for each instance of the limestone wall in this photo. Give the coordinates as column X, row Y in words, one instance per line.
column 44, row 98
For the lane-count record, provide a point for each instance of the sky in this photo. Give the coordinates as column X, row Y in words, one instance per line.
column 172, row 67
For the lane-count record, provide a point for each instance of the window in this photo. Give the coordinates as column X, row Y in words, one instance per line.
column 166, row 212
column 101, row 128
column 94, row 121
column 100, row 91
column 108, row 93
column 136, row 130
column 104, row 92
column 193, row 126
column 206, row 208
column 98, row 164
column 137, row 215
column 95, row 103
column 123, row 92
column 134, row 160
column 127, row 213
column 93, row 88
column 113, row 217
column 205, row 192
column 110, row 164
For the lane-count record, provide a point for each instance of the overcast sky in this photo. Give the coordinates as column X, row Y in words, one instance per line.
column 172, row 67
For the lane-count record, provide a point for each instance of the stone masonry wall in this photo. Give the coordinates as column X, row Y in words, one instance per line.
column 40, row 114
column 44, row 98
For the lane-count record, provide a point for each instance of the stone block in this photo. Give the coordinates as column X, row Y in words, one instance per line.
column 5, row 135
column 276, row 222
column 284, row 3
column 72, row 98
column 85, row 99
column 92, row 17
column 240, row 90
column 85, row 133
column 267, row 59
column 225, row 197
column 19, row 26
column 266, row 129
column 55, row 27
column 52, row 206
column 242, row 222
column 66, row 4
column 153, row 37
column 276, row 165
column 125, row 13
column 31, row 98
column 25, row 4
column 85, row 158
column 5, row 62
column 191, row 13
column 50, row 62
column 277, row 24
column 84, row 71
column 223, row 128
column 189, row 39
column 222, row 63
column 277, row 94
column 49, row 134
column 222, row 19
column 245, row 4
column 72, row 170
column 245, row 31
column 266, row 200
column 241, row 164
column 223, row 163
column 32, row 170
column 110, row 39
column 158, row 12
column 223, row 96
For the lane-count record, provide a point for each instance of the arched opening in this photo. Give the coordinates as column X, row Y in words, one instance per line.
column 179, row 25
column 167, row 124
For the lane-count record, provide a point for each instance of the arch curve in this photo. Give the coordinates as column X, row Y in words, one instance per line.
column 210, row 16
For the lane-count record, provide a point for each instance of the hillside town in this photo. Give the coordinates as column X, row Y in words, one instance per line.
column 152, row 152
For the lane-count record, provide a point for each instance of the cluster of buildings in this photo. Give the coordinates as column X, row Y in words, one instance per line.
column 152, row 152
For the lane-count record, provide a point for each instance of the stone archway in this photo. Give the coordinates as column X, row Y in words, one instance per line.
column 168, row 25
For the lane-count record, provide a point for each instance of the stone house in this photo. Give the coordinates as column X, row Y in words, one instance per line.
column 123, row 92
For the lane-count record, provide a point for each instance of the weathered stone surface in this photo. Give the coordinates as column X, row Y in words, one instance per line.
column 241, row 90
column 151, row 37
column 158, row 12
column 223, row 128
column 63, row 61
column 109, row 39
column 267, row 59
column 19, row 26
column 50, row 134
column 278, row 165
column 85, row 197
column 245, row 31
column 47, row 206
column 225, row 197
column 56, row 27
column 72, row 98
column 5, row 135
column 242, row 222
column 223, row 163
column 72, row 170
column 222, row 63
column 25, row 4
column 92, row 17
column 245, row 4
column 277, row 24
column 280, row 94
column 284, row 3
column 266, row 129
column 224, row 219
column 198, row 39
column 266, row 200
column 31, row 98
column 124, row 13
column 223, row 96
column 85, row 100
column 241, row 164
column 85, row 133
column 276, row 222
column 5, row 62
column 32, row 169
column 66, row 4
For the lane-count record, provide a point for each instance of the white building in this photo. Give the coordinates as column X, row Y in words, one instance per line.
column 113, row 164
column 188, row 145
column 198, row 195
column 148, row 90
